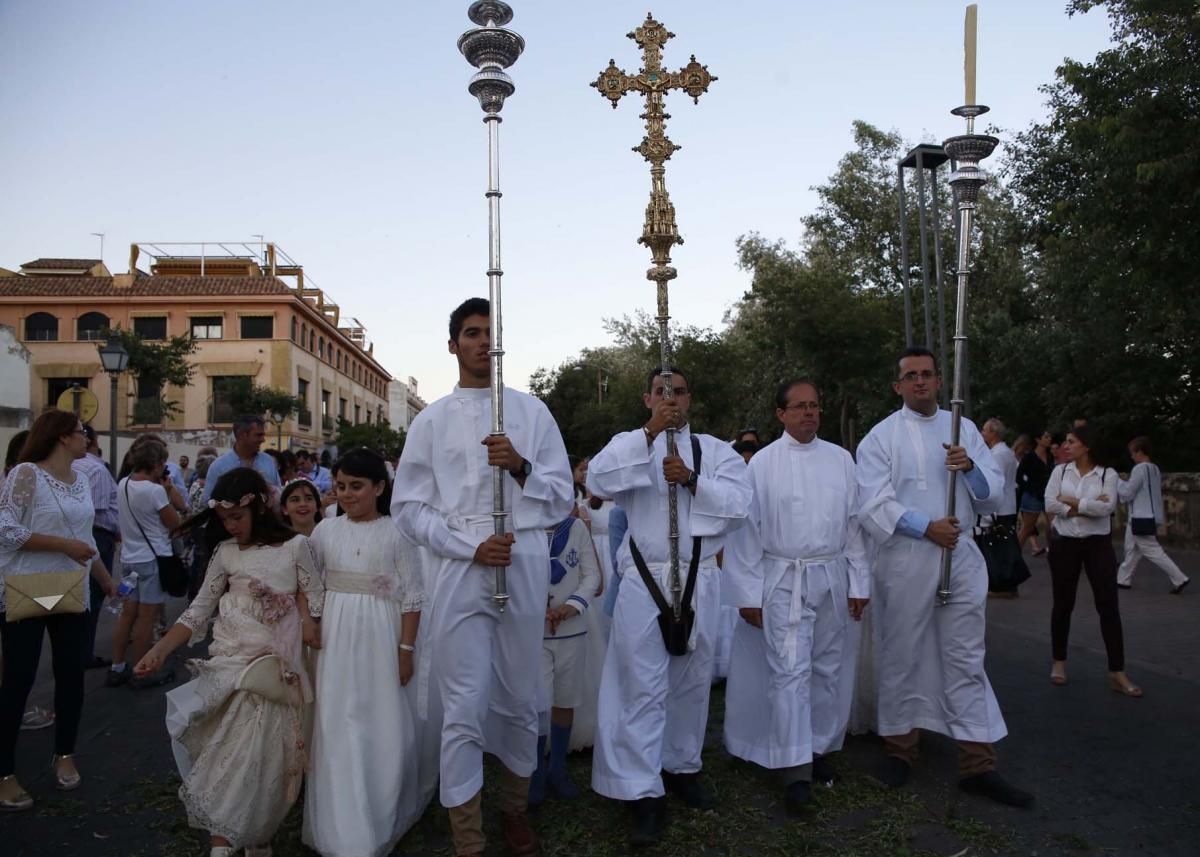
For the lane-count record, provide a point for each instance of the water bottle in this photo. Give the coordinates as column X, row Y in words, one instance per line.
column 127, row 585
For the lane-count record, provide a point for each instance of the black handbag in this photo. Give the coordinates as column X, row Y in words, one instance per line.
column 675, row 632
column 171, row 573
column 1006, row 567
column 1145, row 526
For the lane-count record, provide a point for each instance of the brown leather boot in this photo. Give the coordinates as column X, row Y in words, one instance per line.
column 519, row 836
column 466, row 827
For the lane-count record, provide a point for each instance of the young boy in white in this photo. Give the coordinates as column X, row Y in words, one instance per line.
column 574, row 579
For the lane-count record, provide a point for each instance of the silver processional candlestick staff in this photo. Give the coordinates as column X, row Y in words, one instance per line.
column 491, row 49
column 967, row 150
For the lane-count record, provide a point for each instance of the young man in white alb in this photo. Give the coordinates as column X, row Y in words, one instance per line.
column 484, row 662
column 653, row 704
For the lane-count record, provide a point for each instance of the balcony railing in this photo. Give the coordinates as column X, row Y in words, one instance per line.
column 304, row 418
column 327, row 424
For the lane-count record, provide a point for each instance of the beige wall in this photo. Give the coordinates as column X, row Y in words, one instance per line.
column 274, row 362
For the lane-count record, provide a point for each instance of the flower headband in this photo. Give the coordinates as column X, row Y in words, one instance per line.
column 246, row 500
column 297, row 481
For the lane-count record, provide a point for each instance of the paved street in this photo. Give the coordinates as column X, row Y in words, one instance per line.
column 1112, row 775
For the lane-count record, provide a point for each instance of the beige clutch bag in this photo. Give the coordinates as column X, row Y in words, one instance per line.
column 264, row 676
column 44, row 594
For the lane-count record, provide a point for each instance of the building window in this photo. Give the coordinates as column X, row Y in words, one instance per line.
column 294, row 330
column 55, row 387
column 311, row 340
column 220, row 407
column 207, row 326
column 91, row 326
column 148, row 406
column 305, row 415
column 357, row 414
column 258, row 327
column 304, row 336
column 150, row 326
column 321, row 348
column 341, row 409
column 41, row 327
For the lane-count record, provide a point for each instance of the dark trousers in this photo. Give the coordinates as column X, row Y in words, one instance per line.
column 22, row 650
column 106, row 545
column 1094, row 556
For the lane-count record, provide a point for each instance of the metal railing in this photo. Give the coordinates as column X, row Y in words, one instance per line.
column 304, row 418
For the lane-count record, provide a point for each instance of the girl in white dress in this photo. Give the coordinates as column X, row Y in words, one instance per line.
column 237, row 727
column 364, row 786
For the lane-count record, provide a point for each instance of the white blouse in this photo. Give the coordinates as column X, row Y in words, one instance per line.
column 32, row 501
column 1094, row 517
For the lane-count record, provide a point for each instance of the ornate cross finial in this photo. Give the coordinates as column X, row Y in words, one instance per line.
column 659, row 232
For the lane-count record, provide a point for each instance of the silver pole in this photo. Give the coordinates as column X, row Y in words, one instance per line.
column 968, row 150
column 491, row 49
column 904, row 274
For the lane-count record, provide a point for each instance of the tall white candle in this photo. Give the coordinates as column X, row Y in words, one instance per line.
column 971, row 34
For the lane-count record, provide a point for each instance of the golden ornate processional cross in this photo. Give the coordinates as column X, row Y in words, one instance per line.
column 659, row 232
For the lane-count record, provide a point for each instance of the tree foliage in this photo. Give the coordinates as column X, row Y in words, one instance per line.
column 246, row 397
column 1110, row 189
column 379, row 436
column 155, row 365
column 1082, row 287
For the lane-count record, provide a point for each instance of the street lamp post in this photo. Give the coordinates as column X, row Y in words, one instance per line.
column 601, row 371
column 114, row 358
column 279, row 418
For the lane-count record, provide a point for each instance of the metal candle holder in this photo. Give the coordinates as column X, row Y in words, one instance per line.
column 491, row 49
column 967, row 150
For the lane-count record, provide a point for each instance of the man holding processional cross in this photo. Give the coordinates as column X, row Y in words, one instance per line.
column 683, row 492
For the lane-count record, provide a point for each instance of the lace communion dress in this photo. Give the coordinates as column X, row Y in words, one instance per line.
column 241, row 756
column 365, row 786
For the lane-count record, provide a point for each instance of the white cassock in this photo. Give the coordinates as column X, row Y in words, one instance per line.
column 799, row 558
column 930, row 658
column 654, row 706
column 484, row 664
column 583, row 731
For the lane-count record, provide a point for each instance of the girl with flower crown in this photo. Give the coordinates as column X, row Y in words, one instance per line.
column 237, row 727
column 365, row 786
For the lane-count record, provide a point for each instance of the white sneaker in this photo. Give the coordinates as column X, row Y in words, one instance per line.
column 37, row 718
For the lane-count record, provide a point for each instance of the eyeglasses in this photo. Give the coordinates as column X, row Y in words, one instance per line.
column 924, row 375
column 803, row 406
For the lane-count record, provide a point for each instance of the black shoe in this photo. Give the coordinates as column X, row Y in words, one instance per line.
column 688, row 789
column 797, row 796
column 894, row 772
column 1178, row 590
column 1124, row 586
column 116, row 679
column 991, row 785
column 649, row 818
column 824, row 772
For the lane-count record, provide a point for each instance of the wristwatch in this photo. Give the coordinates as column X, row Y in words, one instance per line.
column 692, row 480
column 523, row 471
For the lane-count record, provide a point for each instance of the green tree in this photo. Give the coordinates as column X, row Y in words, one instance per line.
column 1109, row 185
column 379, row 436
column 155, row 365
column 246, row 397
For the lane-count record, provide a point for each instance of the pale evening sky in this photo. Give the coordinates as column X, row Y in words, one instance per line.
column 344, row 133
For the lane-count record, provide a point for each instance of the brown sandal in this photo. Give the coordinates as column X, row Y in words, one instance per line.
column 1126, row 689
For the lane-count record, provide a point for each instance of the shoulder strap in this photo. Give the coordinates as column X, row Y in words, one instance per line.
column 133, row 515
